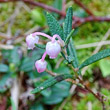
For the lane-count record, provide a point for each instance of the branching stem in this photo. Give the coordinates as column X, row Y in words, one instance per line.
column 77, row 21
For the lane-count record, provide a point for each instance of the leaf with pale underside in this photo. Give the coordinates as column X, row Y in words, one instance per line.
column 98, row 56
column 51, row 82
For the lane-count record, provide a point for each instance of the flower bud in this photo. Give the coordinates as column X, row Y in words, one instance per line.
column 40, row 65
column 31, row 41
column 53, row 49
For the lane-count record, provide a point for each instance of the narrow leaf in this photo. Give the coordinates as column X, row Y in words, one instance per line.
column 54, row 26
column 51, row 82
column 98, row 56
column 71, row 51
column 68, row 37
column 68, row 22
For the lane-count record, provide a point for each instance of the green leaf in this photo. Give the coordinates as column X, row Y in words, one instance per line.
column 35, row 13
column 68, row 23
column 40, row 46
column 47, row 92
column 37, row 106
column 3, row 81
column 98, row 56
column 59, row 92
column 51, row 82
column 54, row 26
column 27, row 65
column 54, row 99
column 105, row 67
column 70, row 59
column 61, row 89
column 15, row 58
column 68, row 37
column 62, row 69
column 3, row 68
column 72, row 53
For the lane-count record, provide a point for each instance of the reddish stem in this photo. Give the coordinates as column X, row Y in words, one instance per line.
column 78, row 2
column 77, row 21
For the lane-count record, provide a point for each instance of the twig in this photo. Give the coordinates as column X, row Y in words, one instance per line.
column 78, row 2
column 12, row 20
column 63, row 5
column 80, row 80
column 103, row 105
column 78, row 21
column 55, row 74
column 51, row 73
column 71, row 80
column 99, row 97
column 59, row 62
column 49, row 8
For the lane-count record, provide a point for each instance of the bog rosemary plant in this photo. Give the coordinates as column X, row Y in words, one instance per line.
column 62, row 41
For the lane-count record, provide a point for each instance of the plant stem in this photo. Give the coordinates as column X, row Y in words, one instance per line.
column 99, row 97
column 77, row 21
column 78, row 2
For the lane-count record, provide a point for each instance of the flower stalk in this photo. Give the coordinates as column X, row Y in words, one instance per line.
column 53, row 48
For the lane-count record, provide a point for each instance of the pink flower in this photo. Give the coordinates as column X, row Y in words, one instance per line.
column 31, row 41
column 40, row 65
column 53, row 49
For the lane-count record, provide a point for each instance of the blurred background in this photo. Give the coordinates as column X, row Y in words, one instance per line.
column 18, row 75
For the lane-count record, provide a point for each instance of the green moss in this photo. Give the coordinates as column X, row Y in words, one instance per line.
column 68, row 106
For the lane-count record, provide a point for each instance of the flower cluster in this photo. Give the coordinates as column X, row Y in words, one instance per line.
column 53, row 48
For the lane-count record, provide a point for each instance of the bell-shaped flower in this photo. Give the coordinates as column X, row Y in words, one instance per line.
column 53, row 49
column 31, row 41
column 40, row 65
